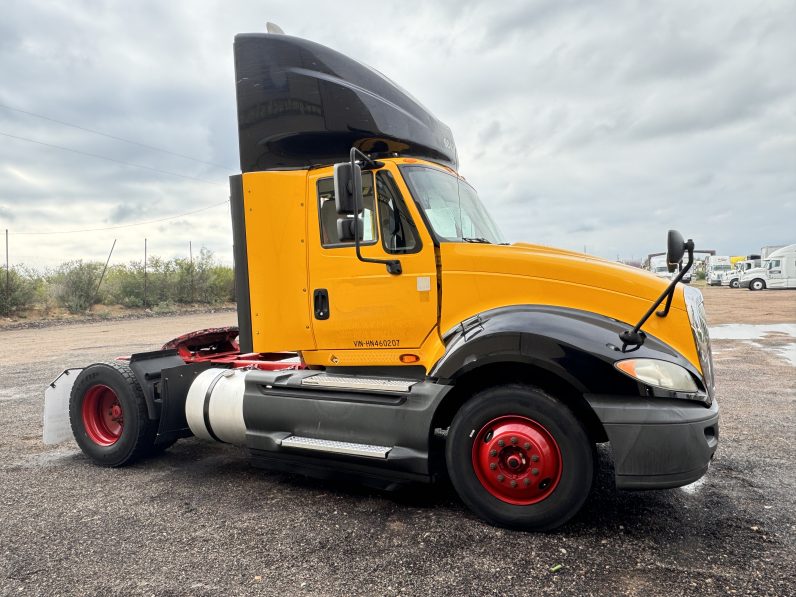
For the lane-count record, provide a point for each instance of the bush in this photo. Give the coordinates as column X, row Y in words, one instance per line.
column 72, row 285
column 20, row 290
column 75, row 283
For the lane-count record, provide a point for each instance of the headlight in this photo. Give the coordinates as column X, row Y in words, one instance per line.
column 661, row 374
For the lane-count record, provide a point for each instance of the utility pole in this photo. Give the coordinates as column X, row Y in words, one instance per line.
column 8, row 280
column 145, row 273
column 96, row 292
column 190, row 253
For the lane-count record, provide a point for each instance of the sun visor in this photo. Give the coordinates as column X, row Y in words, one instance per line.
column 302, row 104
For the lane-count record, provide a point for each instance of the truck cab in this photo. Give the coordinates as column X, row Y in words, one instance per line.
column 717, row 267
column 777, row 271
column 426, row 347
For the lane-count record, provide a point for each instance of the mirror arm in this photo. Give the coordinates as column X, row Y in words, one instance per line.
column 393, row 265
column 690, row 248
column 635, row 337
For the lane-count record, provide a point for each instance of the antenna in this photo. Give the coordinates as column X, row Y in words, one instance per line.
column 273, row 28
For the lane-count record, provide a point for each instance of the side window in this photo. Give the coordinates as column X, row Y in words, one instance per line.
column 398, row 232
column 774, row 263
column 327, row 213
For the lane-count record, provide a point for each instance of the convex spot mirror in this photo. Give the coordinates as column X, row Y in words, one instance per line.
column 675, row 249
column 347, row 189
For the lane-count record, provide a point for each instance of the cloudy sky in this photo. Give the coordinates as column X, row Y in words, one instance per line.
column 582, row 123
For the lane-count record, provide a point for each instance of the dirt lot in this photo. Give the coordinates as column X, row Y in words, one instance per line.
column 199, row 521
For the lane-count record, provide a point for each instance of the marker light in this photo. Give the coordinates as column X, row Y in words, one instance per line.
column 661, row 374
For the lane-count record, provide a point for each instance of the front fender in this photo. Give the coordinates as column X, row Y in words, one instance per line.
column 578, row 346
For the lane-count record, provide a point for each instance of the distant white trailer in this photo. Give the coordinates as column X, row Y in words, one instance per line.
column 767, row 250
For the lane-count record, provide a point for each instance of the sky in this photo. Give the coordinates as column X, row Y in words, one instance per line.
column 588, row 125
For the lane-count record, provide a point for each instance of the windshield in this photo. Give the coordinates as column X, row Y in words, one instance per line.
column 722, row 267
column 451, row 206
column 661, row 269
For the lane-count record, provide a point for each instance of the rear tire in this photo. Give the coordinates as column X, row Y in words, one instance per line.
column 757, row 284
column 108, row 414
column 539, row 476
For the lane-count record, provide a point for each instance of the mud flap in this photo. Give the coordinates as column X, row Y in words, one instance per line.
column 57, row 428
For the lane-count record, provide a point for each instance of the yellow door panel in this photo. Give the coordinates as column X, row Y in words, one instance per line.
column 369, row 308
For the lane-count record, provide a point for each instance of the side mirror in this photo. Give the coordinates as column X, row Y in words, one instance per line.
column 347, row 188
column 675, row 249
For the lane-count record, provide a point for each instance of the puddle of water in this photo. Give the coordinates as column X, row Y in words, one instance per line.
column 749, row 331
column 788, row 352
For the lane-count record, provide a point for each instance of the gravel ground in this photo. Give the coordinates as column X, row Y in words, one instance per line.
column 199, row 520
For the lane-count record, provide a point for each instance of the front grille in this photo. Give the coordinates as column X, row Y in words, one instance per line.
column 699, row 326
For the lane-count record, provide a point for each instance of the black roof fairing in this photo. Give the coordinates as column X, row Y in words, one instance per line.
column 302, row 104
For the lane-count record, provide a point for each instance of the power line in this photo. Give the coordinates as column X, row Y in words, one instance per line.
column 182, row 215
column 102, row 157
column 100, row 133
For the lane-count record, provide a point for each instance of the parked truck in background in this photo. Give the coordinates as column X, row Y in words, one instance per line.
column 732, row 277
column 715, row 267
column 658, row 266
column 777, row 271
column 386, row 332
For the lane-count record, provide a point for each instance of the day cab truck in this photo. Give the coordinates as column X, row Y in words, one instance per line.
column 387, row 333
column 778, row 271
column 715, row 268
column 733, row 277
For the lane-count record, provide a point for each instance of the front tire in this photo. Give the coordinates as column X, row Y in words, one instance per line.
column 757, row 284
column 520, row 458
column 734, row 284
column 108, row 414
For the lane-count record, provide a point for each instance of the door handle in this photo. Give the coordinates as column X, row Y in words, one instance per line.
column 320, row 300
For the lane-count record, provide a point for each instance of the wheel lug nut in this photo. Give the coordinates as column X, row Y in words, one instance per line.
column 492, row 466
column 500, row 478
column 527, row 445
column 513, row 440
column 535, row 458
column 493, row 452
column 535, row 471
column 526, row 481
column 501, row 443
column 514, row 484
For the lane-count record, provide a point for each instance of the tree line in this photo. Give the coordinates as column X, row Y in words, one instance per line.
column 75, row 285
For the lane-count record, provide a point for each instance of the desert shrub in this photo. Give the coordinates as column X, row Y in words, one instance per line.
column 124, row 285
column 18, row 291
column 75, row 283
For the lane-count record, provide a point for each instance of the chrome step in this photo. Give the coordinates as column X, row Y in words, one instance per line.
column 335, row 447
column 345, row 382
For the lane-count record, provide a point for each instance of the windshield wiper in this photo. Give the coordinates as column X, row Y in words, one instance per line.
column 477, row 239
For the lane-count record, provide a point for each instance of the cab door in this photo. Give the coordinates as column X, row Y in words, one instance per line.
column 776, row 274
column 361, row 306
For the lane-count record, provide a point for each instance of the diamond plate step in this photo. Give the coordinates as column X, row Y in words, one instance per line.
column 345, row 382
column 335, row 447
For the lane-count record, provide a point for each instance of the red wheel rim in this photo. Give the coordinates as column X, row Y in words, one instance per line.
column 103, row 416
column 517, row 460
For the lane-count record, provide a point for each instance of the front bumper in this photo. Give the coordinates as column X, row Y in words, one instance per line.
column 658, row 443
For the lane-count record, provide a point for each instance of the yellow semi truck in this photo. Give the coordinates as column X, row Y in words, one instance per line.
column 387, row 333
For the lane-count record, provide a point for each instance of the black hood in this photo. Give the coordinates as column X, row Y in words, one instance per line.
column 302, row 104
